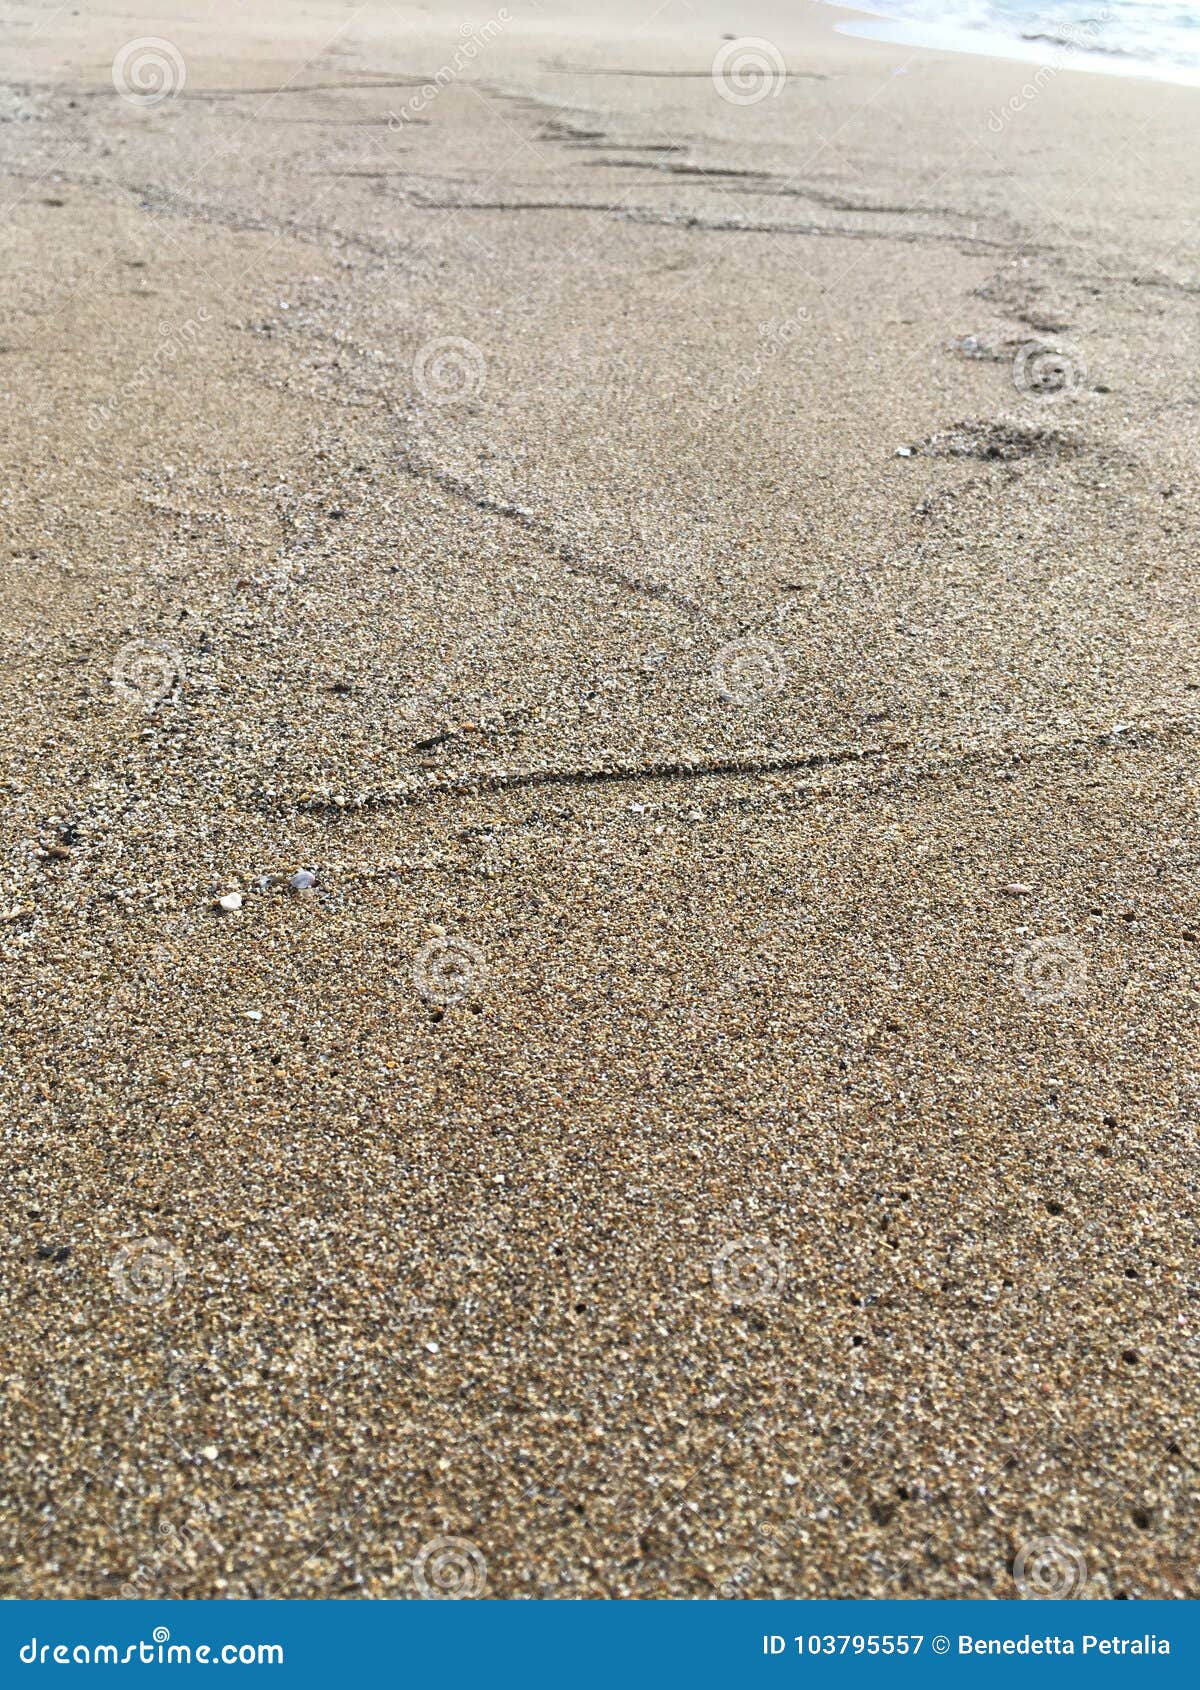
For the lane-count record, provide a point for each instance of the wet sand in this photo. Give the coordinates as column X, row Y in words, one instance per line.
column 700, row 576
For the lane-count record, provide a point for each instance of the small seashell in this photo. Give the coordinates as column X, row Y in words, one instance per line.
column 230, row 902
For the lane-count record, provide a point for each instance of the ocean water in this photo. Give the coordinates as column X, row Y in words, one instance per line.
column 1158, row 38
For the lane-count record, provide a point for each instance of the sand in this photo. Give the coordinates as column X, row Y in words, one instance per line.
column 703, row 587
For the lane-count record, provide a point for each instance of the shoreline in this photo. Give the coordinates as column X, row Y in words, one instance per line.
column 870, row 25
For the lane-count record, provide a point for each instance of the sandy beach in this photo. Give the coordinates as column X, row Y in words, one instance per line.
column 600, row 846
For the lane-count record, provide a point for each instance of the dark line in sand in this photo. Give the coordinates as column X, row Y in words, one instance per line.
column 517, row 205
column 429, row 789
column 500, row 780
column 348, row 123
column 216, row 216
column 542, row 532
column 199, row 95
column 772, row 186
column 834, row 231
column 655, row 219
column 1012, row 757
column 716, row 172
column 310, row 88
column 668, row 75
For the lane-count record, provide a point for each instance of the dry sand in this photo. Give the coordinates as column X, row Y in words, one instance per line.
column 723, row 1121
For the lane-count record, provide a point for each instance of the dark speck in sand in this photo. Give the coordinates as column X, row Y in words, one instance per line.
column 996, row 441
